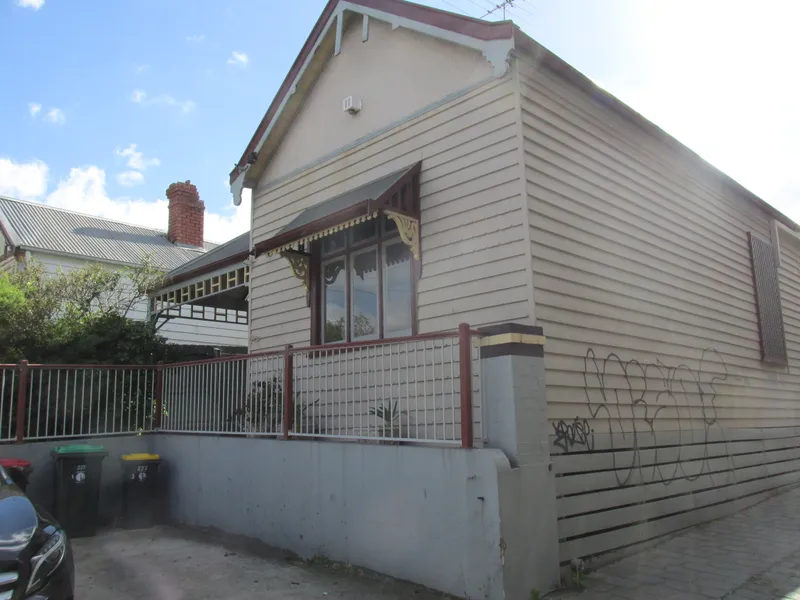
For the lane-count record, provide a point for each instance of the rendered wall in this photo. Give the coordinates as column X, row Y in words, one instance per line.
column 427, row 515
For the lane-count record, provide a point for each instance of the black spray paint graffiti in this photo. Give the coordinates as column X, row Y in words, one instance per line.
column 626, row 398
column 575, row 434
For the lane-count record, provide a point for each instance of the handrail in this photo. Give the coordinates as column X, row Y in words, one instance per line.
column 87, row 366
column 221, row 359
column 437, row 335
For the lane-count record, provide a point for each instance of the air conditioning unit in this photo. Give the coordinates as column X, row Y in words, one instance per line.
column 351, row 105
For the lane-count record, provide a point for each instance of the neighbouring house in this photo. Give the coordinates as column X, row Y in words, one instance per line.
column 65, row 240
column 419, row 171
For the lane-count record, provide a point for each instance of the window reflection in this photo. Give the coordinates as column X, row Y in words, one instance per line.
column 364, row 231
column 364, row 284
column 335, row 300
column 396, row 289
column 334, row 243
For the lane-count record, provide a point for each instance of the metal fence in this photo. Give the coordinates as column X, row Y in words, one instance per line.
column 235, row 395
column 409, row 390
column 81, row 401
column 416, row 389
column 8, row 398
column 40, row 402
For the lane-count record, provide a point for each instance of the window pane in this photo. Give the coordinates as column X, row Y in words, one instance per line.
column 364, row 231
column 389, row 226
column 334, row 243
column 396, row 289
column 334, row 301
column 364, row 282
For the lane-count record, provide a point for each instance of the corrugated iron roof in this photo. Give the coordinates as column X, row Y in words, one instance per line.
column 34, row 226
column 221, row 253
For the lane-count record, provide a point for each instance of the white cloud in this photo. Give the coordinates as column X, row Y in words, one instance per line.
column 130, row 178
column 33, row 4
column 142, row 97
column 238, row 59
column 196, row 39
column 84, row 190
column 34, row 109
column 55, row 116
column 136, row 159
column 27, row 181
column 142, row 68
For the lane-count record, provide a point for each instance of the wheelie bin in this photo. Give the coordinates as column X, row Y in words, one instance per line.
column 78, row 471
column 140, row 490
column 19, row 470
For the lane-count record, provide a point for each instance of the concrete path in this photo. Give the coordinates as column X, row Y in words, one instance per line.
column 164, row 564
column 753, row 555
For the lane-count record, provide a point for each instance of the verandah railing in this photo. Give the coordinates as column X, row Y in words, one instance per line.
column 418, row 389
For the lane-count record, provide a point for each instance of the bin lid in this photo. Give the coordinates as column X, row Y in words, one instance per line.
column 141, row 456
column 10, row 463
column 79, row 449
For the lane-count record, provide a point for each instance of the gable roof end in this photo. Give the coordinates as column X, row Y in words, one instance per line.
column 495, row 39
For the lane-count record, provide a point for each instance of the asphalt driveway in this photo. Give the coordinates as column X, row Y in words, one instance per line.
column 168, row 564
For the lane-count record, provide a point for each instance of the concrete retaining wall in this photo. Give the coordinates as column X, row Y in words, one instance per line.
column 427, row 515
column 41, row 484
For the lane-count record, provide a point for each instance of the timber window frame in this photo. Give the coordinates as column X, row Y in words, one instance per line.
column 344, row 249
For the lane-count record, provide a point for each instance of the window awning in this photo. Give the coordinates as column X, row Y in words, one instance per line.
column 395, row 195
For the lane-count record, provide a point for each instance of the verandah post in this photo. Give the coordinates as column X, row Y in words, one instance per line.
column 21, row 390
column 465, row 375
column 288, row 391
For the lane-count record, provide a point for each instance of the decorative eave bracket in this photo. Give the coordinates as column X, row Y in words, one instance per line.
column 300, row 262
column 408, row 227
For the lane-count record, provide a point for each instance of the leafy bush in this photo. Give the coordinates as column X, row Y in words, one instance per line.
column 79, row 316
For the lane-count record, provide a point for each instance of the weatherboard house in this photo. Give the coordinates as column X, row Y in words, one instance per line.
column 65, row 240
column 419, row 169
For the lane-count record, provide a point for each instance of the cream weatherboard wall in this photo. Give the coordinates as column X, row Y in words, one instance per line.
column 177, row 331
column 639, row 249
column 407, row 72
column 474, row 262
column 662, row 412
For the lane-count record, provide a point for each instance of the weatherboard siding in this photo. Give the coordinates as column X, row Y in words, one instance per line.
column 473, row 253
column 662, row 413
column 7, row 264
column 641, row 251
column 178, row 331
column 391, row 57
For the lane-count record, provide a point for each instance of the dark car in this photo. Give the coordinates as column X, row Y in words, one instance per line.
column 35, row 555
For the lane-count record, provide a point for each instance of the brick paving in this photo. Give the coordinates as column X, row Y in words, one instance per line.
column 752, row 555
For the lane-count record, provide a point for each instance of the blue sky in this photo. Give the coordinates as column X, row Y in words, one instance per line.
column 187, row 81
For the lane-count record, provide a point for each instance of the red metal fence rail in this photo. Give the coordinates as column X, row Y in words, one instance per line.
column 420, row 389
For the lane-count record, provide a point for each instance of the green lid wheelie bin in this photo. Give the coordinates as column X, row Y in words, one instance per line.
column 78, row 470
column 140, row 490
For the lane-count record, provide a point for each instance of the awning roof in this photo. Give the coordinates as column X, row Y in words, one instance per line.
column 396, row 193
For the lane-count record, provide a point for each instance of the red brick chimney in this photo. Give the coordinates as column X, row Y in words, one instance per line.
column 186, row 214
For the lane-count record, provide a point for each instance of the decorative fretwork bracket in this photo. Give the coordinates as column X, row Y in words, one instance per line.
column 408, row 227
column 300, row 262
